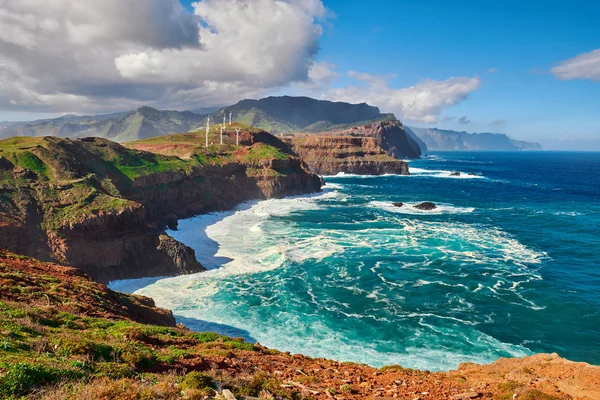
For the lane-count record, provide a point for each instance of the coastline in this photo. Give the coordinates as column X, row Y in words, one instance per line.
column 185, row 293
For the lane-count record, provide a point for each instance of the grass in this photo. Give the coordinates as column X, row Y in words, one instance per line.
column 261, row 151
column 73, row 180
column 41, row 347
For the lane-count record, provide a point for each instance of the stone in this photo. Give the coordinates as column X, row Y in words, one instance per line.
column 426, row 206
column 467, row 395
column 227, row 395
column 455, row 174
column 398, row 204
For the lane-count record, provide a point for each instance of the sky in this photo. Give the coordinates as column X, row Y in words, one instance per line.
column 530, row 69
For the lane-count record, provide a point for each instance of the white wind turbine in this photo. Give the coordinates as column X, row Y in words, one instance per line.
column 229, row 118
column 237, row 136
column 222, row 127
column 207, row 129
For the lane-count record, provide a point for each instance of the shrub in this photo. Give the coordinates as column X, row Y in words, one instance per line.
column 205, row 337
column 113, row 370
column 197, row 380
column 18, row 379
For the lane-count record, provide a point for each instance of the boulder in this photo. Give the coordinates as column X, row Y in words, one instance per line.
column 398, row 204
column 426, row 206
column 455, row 174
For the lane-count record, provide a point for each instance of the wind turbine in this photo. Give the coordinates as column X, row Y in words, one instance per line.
column 229, row 118
column 237, row 136
column 207, row 129
column 222, row 127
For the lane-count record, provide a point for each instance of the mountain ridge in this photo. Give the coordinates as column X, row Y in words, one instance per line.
column 448, row 140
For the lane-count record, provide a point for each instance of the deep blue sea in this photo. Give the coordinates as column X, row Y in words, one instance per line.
column 507, row 265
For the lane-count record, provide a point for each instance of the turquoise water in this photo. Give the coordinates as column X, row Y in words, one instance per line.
column 508, row 265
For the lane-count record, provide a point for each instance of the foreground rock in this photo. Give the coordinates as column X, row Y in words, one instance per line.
column 426, row 206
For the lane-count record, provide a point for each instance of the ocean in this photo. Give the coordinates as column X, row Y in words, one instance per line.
column 508, row 264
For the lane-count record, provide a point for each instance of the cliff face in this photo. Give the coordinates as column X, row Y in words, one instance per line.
column 330, row 155
column 101, row 207
column 372, row 149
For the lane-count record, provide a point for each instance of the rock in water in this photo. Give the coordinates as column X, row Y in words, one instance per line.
column 426, row 206
column 397, row 204
column 455, row 174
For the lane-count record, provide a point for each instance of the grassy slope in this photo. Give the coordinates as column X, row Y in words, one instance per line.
column 63, row 336
column 73, row 179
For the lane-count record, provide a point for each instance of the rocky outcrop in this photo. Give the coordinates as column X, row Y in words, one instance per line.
column 330, row 155
column 426, row 206
column 388, row 135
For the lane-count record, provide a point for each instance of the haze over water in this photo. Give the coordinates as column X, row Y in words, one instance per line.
column 508, row 264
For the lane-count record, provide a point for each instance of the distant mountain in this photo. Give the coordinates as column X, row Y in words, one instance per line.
column 447, row 140
column 142, row 123
column 288, row 114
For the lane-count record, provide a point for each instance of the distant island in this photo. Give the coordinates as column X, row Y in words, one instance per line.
column 446, row 140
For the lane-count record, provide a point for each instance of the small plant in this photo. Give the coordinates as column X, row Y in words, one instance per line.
column 345, row 388
column 197, row 380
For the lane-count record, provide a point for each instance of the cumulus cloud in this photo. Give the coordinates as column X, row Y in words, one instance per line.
column 583, row 66
column 422, row 102
column 464, row 120
column 99, row 55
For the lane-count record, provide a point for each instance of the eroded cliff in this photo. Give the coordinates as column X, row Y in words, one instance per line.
column 330, row 155
column 102, row 207
column 372, row 149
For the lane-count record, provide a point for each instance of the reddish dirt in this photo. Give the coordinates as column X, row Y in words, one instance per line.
column 542, row 376
column 67, row 289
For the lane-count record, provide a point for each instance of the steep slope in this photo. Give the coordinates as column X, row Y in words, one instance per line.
column 97, row 205
column 294, row 114
column 330, row 155
column 371, row 149
column 142, row 123
column 67, row 337
column 447, row 140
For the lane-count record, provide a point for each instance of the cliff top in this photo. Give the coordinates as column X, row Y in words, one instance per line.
column 66, row 337
column 68, row 180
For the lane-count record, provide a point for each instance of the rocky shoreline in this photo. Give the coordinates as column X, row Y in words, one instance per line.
column 80, row 209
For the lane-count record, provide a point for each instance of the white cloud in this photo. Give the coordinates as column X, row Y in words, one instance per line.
column 583, row 66
column 100, row 55
column 422, row 102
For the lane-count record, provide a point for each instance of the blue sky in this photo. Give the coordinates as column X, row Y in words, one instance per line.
column 527, row 68
column 519, row 41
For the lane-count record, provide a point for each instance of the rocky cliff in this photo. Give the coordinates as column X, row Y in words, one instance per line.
column 102, row 207
column 330, row 155
column 371, row 149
